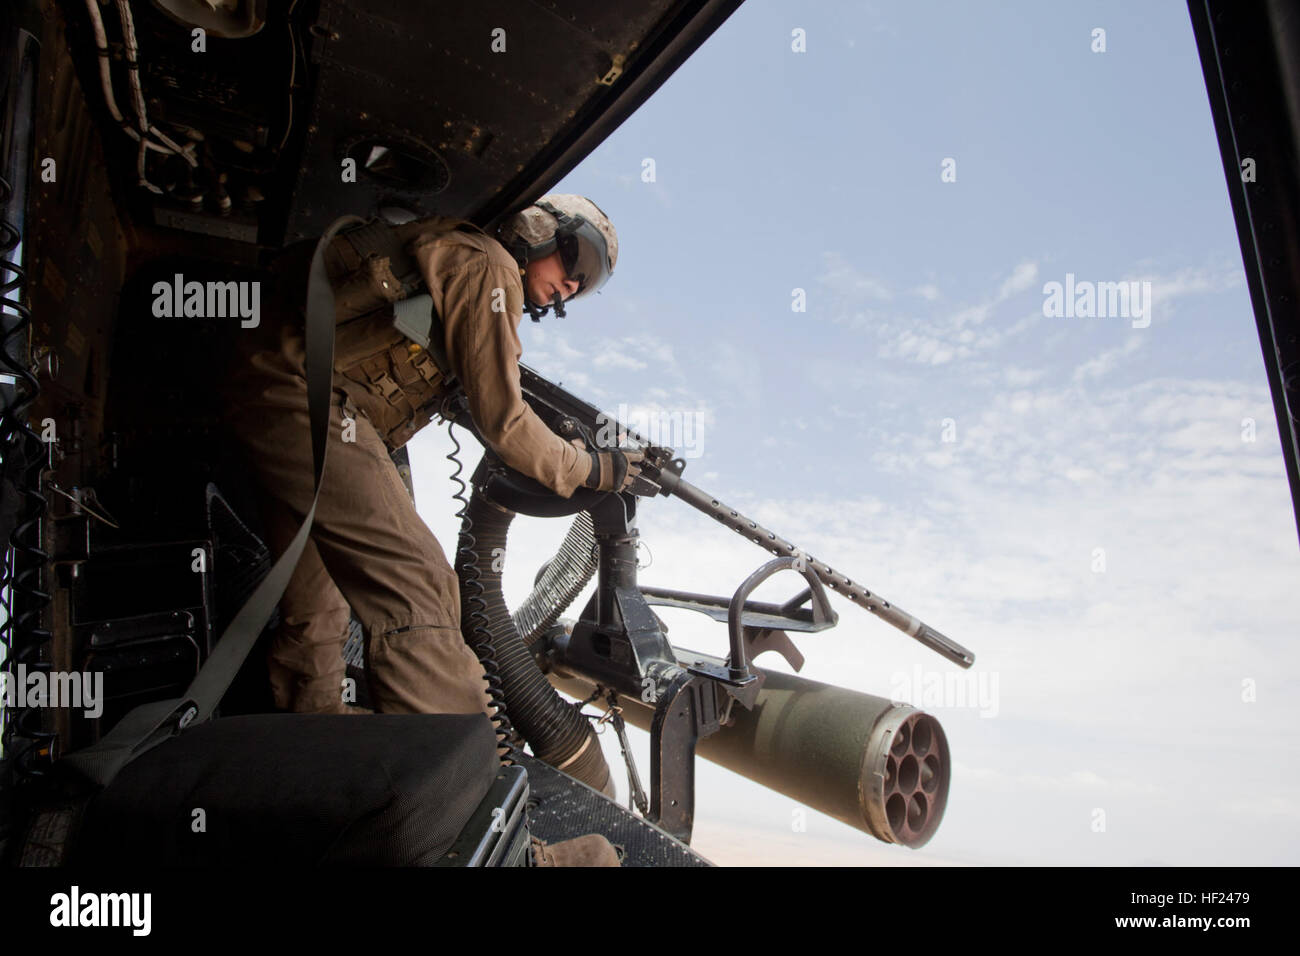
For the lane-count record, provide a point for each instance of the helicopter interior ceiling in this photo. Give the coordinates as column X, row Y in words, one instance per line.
column 299, row 111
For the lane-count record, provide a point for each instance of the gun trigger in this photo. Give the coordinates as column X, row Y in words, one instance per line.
column 643, row 486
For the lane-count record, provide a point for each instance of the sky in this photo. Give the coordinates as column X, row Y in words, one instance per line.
column 855, row 345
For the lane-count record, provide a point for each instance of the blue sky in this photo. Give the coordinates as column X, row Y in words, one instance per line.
column 1120, row 689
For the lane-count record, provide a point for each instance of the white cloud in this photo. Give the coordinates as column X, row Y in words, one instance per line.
column 949, row 336
column 1022, row 277
column 845, row 279
column 618, row 360
column 1167, row 288
column 1103, row 364
column 1014, row 377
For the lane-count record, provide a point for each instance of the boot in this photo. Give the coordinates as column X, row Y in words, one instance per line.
column 590, row 850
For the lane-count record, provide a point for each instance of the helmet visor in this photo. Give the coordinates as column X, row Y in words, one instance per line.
column 584, row 254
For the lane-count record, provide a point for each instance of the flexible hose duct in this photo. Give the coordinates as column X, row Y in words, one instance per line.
column 556, row 730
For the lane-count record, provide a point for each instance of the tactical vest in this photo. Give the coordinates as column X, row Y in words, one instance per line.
column 389, row 356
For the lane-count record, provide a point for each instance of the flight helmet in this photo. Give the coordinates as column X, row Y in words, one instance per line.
column 574, row 225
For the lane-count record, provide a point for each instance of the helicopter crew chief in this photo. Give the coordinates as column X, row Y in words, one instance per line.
column 369, row 552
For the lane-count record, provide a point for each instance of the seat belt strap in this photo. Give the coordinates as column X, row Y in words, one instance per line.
column 149, row 725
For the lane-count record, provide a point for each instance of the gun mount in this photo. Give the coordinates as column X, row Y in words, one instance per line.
column 879, row 766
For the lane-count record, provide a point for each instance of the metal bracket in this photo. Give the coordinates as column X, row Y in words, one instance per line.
column 614, row 72
column 759, row 640
column 739, row 660
column 686, row 710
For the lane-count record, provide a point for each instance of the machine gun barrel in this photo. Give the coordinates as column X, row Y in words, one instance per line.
column 662, row 475
column 725, row 515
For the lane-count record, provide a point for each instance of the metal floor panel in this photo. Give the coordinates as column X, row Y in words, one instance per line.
column 561, row 808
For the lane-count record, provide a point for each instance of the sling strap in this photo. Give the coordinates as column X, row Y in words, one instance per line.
column 151, row 724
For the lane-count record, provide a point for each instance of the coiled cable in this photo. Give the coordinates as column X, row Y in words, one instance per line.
column 554, row 730
column 474, row 618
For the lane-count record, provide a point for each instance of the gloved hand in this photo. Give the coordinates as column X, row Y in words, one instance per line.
column 611, row 470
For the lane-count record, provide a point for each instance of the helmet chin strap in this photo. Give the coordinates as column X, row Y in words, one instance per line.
column 536, row 312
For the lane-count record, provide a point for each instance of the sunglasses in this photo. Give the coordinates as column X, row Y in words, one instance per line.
column 569, row 252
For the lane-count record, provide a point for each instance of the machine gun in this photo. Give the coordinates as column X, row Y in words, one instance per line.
column 879, row 766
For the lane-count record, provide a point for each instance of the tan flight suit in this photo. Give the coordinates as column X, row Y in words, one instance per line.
column 369, row 550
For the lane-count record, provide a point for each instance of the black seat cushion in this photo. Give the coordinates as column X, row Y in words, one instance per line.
column 296, row 789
